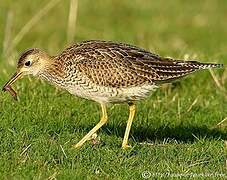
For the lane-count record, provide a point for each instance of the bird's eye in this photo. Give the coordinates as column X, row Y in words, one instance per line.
column 28, row 63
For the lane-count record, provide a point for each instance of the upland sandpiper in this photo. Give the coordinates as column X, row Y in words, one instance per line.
column 105, row 72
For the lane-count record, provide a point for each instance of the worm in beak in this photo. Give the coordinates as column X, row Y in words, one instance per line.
column 7, row 86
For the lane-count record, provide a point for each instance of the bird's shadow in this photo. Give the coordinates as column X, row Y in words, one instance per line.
column 181, row 133
column 185, row 133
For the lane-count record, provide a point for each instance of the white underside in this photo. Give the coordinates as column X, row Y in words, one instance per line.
column 83, row 87
column 113, row 95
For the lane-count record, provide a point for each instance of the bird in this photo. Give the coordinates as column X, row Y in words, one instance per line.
column 106, row 72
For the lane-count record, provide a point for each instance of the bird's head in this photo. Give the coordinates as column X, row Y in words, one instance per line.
column 33, row 61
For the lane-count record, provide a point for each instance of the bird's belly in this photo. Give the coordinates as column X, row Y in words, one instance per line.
column 132, row 93
column 104, row 94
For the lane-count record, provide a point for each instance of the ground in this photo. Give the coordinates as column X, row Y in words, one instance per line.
column 175, row 132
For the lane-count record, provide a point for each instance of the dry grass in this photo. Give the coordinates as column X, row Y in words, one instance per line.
column 31, row 23
column 72, row 20
column 220, row 82
column 7, row 34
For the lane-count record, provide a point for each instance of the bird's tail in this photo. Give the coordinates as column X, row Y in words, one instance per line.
column 175, row 69
column 200, row 65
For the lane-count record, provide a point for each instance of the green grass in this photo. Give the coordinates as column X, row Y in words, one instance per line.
column 168, row 135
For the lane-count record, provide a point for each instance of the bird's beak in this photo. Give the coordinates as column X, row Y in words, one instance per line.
column 15, row 77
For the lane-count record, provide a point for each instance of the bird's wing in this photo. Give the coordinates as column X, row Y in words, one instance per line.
column 123, row 65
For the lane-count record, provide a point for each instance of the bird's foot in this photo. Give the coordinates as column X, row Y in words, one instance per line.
column 82, row 141
column 125, row 146
column 77, row 146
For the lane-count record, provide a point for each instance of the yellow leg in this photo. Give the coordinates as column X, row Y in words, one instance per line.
column 91, row 132
column 132, row 110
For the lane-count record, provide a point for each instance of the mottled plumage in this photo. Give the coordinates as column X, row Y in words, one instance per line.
column 120, row 65
column 115, row 72
column 107, row 72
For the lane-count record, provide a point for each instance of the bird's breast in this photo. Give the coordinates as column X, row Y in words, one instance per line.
column 79, row 85
column 83, row 87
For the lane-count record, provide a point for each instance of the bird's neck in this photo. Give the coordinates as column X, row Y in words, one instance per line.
column 53, row 72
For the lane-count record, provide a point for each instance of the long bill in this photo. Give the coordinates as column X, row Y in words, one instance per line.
column 15, row 77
